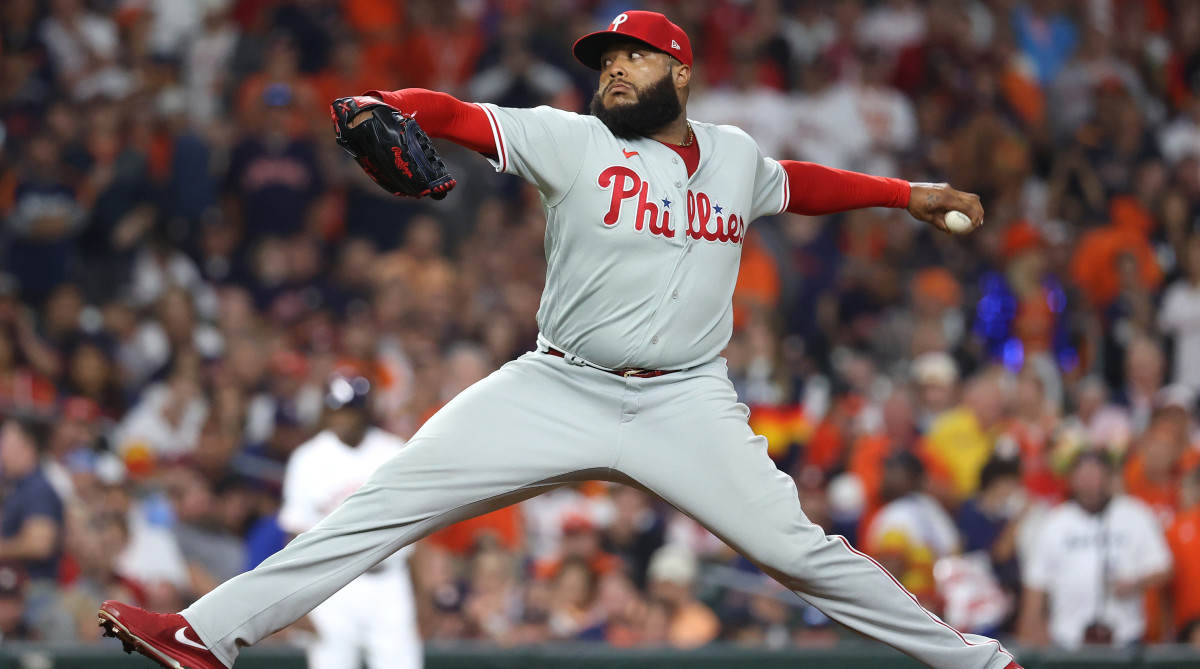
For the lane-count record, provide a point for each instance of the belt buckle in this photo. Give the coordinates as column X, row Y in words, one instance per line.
column 628, row 372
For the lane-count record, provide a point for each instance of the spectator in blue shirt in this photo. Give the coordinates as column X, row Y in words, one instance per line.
column 988, row 521
column 31, row 523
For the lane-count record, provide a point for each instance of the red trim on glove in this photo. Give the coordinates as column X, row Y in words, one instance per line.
column 814, row 189
column 445, row 117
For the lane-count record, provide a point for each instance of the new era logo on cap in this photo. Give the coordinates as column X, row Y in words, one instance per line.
column 651, row 28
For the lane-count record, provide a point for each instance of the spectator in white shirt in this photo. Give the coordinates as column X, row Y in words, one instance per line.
column 893, row 25
column 84, row 48
column 747, row 103
column 857, row 125
column 1179, row 317
column 165, row 425
column 1096, row 557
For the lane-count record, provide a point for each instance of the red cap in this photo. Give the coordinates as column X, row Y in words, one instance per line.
column 1020, row 237
column 289, row 363
column 81, row 409
column 576, row 522
column 649, row 27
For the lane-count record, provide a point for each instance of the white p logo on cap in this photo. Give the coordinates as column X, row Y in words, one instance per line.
column 621, row 18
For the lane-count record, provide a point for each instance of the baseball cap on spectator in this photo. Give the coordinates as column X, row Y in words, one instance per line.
column 106, row 467
column 13, row 580
column 289, row 363
column 83, row 409
column 1019, row 238
column 935, row 368
column 650, row 28
column 347, row 392
column 110, row 470
column 1111, row 84
column 673, row 563
column 1176, row 395
column 939, row 285
column 277, row 95
column 576, row 522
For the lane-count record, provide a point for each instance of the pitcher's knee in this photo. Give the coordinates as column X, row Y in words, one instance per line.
column 789, row 557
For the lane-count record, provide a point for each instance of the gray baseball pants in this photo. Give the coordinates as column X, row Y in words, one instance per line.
column 540, row 422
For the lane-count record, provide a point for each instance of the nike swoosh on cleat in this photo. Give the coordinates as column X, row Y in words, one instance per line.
column 629, row 154
column 182, row 638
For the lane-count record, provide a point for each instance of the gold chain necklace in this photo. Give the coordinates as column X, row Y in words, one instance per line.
column 690, row 137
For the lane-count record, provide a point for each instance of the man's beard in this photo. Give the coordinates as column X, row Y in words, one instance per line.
column 656, row 106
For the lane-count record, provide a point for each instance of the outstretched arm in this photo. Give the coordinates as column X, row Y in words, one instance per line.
column 814, row 190
column 443, row 116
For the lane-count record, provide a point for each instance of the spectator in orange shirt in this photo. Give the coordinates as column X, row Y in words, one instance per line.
column 1183, row 537
column 376, row 24
column 441, row 46
column 281, row 66
column 349, row 72
column 898, row 434
column 1098, row 254
column 1154, row 473
column 1033, row 426
column 758, row 284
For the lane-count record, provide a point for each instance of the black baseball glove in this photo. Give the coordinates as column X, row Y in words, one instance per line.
column 391, row 148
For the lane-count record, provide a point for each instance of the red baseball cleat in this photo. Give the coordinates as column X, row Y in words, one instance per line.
column 167, row 639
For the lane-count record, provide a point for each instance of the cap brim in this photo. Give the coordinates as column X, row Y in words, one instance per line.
column 589, row 48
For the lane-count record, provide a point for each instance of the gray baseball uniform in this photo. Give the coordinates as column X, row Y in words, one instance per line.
column 642, row 261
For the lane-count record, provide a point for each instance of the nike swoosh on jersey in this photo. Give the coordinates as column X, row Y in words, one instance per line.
column 182, row 638
column 629, row 154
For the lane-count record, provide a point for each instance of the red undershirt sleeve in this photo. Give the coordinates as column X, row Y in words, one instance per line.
column 444, row 117
column 814, row 189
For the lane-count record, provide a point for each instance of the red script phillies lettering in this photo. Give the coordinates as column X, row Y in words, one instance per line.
column 625, row 184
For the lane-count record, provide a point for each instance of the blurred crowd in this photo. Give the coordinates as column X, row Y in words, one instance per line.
column 1006, row 421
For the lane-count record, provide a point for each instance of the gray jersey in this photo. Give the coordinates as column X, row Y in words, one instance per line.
column 641, row 259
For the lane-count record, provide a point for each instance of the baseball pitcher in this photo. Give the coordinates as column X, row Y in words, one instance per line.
column 646, row 211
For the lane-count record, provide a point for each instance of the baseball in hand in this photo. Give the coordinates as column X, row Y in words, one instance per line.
column 958, row 222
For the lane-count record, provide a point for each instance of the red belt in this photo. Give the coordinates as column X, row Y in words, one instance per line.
column 628, row 371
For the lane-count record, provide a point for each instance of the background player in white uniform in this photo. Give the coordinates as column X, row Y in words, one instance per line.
column 375, row 612
column 645, row 215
